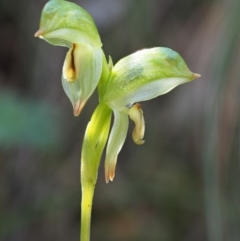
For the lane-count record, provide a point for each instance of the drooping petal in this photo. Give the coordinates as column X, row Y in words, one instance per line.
column 144, row 75
column 81, row 72
column 115, row 143
column 63, row 23
column 136, row 114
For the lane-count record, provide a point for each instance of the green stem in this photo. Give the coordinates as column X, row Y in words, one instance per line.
column 93, row 144
column 86, row 207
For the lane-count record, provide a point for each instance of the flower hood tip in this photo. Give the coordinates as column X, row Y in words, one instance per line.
column 77, row 107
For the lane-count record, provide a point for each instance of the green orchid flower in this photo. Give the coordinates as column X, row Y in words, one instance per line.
column 141, row 76
column 66, row 24
column 138, row 77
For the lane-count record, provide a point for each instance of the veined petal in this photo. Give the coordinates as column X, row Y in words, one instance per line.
column 149, row 91
column 115, row 143
column 63, row 23
column 144, row 75
column 81, row 73
column 136, row 114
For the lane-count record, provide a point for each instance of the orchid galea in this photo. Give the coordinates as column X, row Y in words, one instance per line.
column 141, row 76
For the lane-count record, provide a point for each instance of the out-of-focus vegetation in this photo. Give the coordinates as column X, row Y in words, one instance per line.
column 182, row 184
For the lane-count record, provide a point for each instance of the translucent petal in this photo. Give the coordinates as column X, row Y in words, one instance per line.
column 81, row 73
column 144, row 75
column 115, row 143
column 63, row 23
column 148, row 91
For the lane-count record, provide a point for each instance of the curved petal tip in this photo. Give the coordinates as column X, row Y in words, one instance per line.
column 196, row 76
column 109, row 172
column 39, row 33
column 77, row 107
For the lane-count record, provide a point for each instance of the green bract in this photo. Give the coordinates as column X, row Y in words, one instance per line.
column 94, row 142
column 141, row 76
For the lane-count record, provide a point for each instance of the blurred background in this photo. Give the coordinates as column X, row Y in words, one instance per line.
column 182, row 184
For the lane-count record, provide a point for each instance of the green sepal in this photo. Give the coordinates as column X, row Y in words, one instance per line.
column 63, row 23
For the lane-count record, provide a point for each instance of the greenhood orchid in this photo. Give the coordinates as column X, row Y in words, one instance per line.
column 138, row 77
column 141, row 76
column 66, row 24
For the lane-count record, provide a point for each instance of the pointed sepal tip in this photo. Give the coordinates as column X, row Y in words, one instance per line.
column 196, row 75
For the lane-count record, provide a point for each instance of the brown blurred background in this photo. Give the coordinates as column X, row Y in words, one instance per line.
column 181, row 185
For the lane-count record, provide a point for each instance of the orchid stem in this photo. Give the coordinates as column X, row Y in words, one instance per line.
column 93, row 144
column 86, row 209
